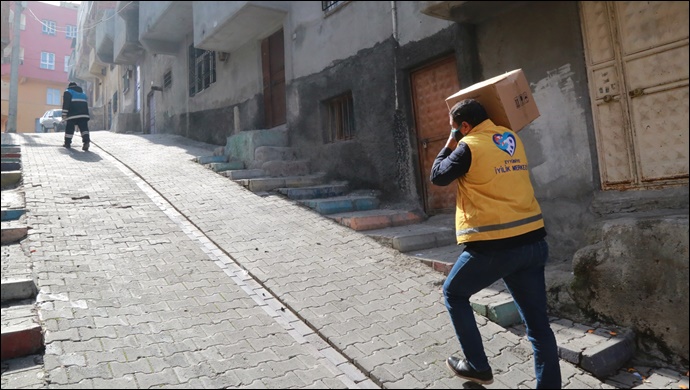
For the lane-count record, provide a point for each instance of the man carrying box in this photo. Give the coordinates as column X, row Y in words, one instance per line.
column 499, row 221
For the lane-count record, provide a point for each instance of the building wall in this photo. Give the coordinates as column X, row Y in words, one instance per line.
column 34, row 81
column 560, row 142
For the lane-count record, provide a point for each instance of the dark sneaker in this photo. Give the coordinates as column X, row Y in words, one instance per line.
column 462, row 369
column 85, row 147
column 68, row 146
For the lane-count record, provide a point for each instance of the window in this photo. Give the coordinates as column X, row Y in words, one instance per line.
column 53, row 97
column 47, row 60
column 66, row 64
column 329, row 5
column 167, row 79
column 7, row 55
column 22, row 20
column 115, row 102
column 341, row 118
column 49, row 27
column 71, row 31
column 202, row 69
column 125, row 80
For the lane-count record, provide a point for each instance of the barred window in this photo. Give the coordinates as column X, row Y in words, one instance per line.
column 202, row 69
column 167, row 79
column 341, row 118
column 329, row 5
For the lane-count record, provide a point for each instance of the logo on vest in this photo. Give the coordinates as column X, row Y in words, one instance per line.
column 505, row 142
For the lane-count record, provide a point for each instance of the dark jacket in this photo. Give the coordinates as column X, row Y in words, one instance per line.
column 74, row 104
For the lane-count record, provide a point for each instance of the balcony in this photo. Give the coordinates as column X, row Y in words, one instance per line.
column 164, row 25
column 473, row 12
column 127, row 48
column 105, row 31
column 96, row 66
column 227, row 25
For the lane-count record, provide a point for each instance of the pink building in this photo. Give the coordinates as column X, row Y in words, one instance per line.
column 46, row 35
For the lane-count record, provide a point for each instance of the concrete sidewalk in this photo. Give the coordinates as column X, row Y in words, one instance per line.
column 155, row 271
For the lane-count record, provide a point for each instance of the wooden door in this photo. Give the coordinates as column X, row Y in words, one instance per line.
column 431, row 85
column 273, row 64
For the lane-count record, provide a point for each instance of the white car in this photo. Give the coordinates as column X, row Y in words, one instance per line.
column 52, row 120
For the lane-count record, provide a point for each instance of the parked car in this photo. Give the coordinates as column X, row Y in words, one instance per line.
column 52, row 120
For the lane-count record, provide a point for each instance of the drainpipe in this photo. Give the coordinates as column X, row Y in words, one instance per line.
column 394, row 18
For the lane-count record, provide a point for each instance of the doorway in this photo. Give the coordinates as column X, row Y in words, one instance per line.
column 273, row 69
column 431, row 85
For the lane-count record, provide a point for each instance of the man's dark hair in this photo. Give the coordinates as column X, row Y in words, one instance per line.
column 470, row 111
column 72, row 84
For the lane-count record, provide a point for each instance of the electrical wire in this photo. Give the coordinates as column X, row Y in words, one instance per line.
column 86, row 28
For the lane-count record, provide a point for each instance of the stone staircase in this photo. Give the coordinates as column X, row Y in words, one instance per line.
column 22, row 334
column 264, row 164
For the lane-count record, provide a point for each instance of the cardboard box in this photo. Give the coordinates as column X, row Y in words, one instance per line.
column 507, row 99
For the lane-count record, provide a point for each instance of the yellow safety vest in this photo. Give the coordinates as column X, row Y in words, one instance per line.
column 495, row 197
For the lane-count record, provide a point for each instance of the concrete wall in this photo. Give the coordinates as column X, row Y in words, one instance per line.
column 544, row 39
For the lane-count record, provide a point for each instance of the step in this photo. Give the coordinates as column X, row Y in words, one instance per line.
column 10, row 149
column 211, row 159
column 11, row 178
column 12, row 214
column 378, row 219
column 10, row 166
column 12, row 199
column 16, row 264
column 243, row 144
column 262, row 184
column 238, row 174
column 14, row 289
column 263, row 154
column 414, row 237
column 599, row 349
column 13, row 231
column 21, row 331
column 278, row 168
column 314, row 192
column 11, row 154
column 341, row 204
column 225, row 166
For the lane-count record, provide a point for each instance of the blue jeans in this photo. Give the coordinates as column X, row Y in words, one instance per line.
column 522, row 270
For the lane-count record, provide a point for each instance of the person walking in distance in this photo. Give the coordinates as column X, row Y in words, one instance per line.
column 499, row 221
column 75, row 110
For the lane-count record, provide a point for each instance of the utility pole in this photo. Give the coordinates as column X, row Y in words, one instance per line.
column 14, row 70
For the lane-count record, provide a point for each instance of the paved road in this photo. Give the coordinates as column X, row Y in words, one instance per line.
column 155, row 271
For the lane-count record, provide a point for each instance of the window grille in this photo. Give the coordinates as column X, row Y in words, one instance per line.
column 167, row 79
column 329, row 5
column 202, row 69
column 341, row 118
column 125, row 80
column 49, row 27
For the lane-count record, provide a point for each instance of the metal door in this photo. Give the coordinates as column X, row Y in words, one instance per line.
column 273, row 64
column 431, row 85
column 637, row 59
